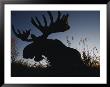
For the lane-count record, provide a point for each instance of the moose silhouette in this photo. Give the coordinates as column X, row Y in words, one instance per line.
column 64, row 60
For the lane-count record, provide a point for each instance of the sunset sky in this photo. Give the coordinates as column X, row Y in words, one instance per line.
column 83, row 24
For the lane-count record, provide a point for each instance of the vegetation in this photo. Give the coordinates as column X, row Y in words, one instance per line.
column 90, row 56
column 14, row 52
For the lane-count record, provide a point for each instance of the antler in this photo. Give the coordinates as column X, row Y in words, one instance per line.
column 60, row 25
column 23, row 36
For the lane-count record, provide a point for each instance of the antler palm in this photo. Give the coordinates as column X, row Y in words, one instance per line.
column 60, row 25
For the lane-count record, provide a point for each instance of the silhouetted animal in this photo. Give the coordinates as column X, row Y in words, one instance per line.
column 63, row 59
column 35, row 49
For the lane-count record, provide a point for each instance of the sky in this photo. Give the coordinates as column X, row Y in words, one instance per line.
column 83, row 24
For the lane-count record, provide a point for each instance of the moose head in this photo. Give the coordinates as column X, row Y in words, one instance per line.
column 35, row 49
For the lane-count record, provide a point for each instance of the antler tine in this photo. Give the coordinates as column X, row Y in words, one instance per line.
column 26, row 33
column 50, row 15
column 38, row 21
column 40, row 27
column 65, row 18
column 59, row 15
column 45, row 21
column 34, row 23
column 23, row 36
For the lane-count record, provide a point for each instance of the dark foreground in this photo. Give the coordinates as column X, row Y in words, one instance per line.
column 18, row 70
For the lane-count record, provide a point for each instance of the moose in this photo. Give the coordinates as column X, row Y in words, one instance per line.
column 32, row 50
column 62, row 58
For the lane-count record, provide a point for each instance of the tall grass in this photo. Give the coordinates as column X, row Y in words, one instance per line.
column 90, row 55
column 14, row 52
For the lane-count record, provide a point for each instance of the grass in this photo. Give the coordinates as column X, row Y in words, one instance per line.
column 90, row 56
